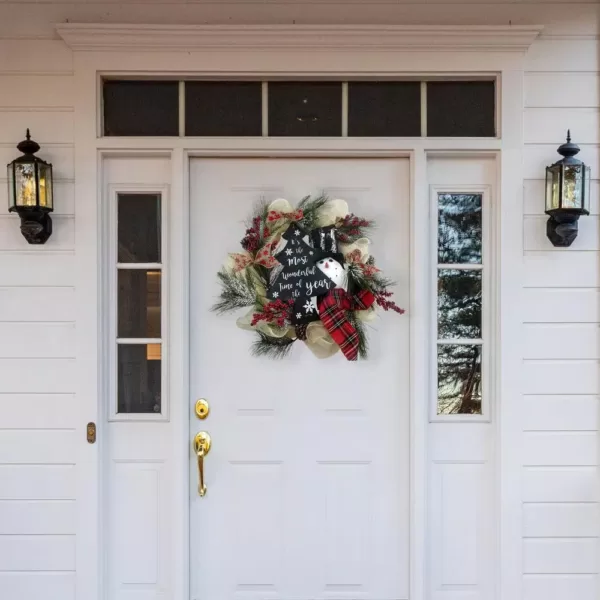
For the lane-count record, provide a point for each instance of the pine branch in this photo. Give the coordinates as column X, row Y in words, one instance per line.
column 351, row 228
column 237, row 291
column 363, row 340
column 276, row 348
column 310, row 207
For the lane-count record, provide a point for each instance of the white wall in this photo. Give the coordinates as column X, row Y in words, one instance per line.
column 39, row 427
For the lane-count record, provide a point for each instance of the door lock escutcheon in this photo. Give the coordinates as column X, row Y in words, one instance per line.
column 202, row 409
column 202, row 444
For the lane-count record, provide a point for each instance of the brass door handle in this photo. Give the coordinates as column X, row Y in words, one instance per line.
column 202, row 443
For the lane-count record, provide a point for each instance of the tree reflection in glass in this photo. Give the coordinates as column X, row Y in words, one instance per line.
column 459, row 304
column 459, row 228
column 459, row 379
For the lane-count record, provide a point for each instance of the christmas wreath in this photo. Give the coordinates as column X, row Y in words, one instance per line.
column 306, row 274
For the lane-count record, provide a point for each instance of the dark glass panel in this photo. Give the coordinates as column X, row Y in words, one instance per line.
column 461, row 109
column 305, row 109
column 459, row 304
column 459, row 380
column 139, row 303
column 141, row 108
column 139, row 226
column 223, row 108
column 459, row 228
column 139, row 377
column 390, row 108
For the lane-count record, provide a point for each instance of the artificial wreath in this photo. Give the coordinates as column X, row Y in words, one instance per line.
column 306, row 274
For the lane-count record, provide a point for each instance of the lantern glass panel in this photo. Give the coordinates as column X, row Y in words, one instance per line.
column 11, row 186
column 572, row 196
column 553, row 187
column 25, row 184
column 45, row 175
column 586, row 187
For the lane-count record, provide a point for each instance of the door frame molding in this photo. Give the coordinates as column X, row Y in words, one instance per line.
column 340, row 52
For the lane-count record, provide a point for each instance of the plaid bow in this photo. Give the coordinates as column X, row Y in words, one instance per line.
column 276, row 215
column 332, row 310
column 263, row 257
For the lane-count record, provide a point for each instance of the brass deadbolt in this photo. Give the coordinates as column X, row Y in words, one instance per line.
column 201, row 409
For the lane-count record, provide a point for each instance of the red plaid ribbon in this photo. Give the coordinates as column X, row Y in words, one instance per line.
column 332, row 310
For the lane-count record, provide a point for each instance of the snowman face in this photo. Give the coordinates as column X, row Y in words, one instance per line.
column 334, row 271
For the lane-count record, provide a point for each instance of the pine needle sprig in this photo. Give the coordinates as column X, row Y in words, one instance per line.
column 351, row 228
column 237, row 291
column 363, row 339
column 310, row 207
column 271, row 347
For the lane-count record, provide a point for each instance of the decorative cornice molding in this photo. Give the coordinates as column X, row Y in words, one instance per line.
column 343, row 38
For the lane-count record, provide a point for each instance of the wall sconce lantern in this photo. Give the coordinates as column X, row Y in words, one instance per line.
column 567, row 195
column 30, row 192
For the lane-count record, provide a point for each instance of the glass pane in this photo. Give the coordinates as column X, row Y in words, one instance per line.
column 391, row 108
column 11, row 186
column 572, row 187
column 25, row 184
column 459, row 304
column 45, row 173
column 553, row 188
column 139, row 378
column 139, row 225
column 223, row 108
column 139, row 303
column 459, row 228
column 461, row 108
column 459, row 380
column 305, row 109
column 141, row 108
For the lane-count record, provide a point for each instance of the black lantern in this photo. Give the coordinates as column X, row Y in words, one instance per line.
column 30, row 192
column 567, row 194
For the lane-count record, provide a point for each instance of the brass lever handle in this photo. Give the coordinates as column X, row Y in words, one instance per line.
column 202, row 443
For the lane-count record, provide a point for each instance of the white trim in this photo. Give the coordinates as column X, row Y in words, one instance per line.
column 309, row 38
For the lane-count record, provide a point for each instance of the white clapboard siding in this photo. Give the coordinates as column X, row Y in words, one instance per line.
column 561, row 484
column 561, row 305
column 34, row 303
column 560, row 587
column 55, row 126
column 37, row 268
column 38, row 375
column 560, row 413
column 38, row 411
column 562, row 269
column 62, row 238
column 550, row 125
column 561, row 340
column 561, row 376
column 37, row 446
column 37, row 552
column 561, row 520
column 64, row 194
column 42, row 517
column 536, row 157
column 534, row 195
column 35, row 91
column 563, row 55
column 32, row 585
column 560, row 555
column 562, row 90
column 560, row 448
column 60, row 155
column 37, row 482
column 535, row 237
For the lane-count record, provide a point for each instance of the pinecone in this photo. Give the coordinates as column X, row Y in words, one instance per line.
column 301, row 331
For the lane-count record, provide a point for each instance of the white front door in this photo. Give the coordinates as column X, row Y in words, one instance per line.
column 308, row 474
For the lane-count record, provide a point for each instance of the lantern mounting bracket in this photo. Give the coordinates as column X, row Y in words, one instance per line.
column 36, row 225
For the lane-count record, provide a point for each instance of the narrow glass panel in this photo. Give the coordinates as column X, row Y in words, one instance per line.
column 25, row 184
column 461, row 108
column 11, row 186
column 139, row 226
column 459, row 380
column 459, row 304
column 45, row 173
column 139, row 303
column 305, row 109
column 141, row 108
column 139, row 378
column 390, row 108
column 572, row 187
column 459, row 228
column 214, row 108
column 553, row 187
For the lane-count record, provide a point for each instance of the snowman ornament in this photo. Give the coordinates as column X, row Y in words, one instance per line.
column 332, row 269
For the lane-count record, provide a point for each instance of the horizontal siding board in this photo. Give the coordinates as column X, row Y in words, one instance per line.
column 39, row 340
column 536, row 157
column 41, row 517
column 561, row 587
column 561, row 377
column 64, row 198
column 560, row 484
column 37, row 304
column 62, row 238
column 561, row 520
column 35, row 91
column 551, row 269
column 560, row 413
column 560, row 556
column 535, row 237
column 37, row 552
column 37, row 446
column 37, row 586
column 563, row 55
column 561, row 341
column 573, row 90
column 560, row 448
column 37, row 269
column 561, row 305
column 37, row 482
column 38, row 411
column 61, row 157
column 31, row 56
column 37, row 375
column 550, row 125
column 46, row 126
column 535, row 190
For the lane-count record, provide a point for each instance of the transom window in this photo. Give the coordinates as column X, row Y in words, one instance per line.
column 299, row 108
